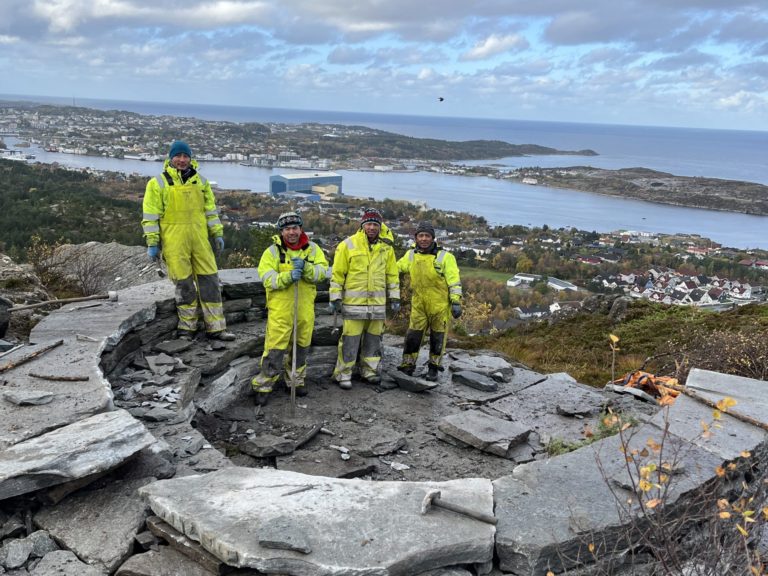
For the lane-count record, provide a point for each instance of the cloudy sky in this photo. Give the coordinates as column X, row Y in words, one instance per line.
column 699, row 63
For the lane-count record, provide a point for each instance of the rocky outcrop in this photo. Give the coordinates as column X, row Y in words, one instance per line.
column 482, row 444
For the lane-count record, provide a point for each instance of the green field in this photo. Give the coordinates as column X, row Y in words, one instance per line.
column 485, row 274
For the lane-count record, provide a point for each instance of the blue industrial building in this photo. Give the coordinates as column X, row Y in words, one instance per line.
column 303, row 182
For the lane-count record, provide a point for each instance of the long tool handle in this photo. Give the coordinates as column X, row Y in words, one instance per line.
column 465, row 511
column 295, row 345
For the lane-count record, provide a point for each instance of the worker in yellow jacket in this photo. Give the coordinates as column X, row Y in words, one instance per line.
column 436, row 289
column 180, row 218
column 289, row 269
column 364, row 275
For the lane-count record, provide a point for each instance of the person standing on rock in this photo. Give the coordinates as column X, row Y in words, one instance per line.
column 364, row 274
column 290, row 269
column 436, row 289
column 180, row 219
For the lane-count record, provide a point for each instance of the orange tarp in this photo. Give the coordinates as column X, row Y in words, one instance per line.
column 660, row 387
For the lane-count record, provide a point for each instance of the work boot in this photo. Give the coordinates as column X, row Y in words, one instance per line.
column 224, row 336
column 345, row 382
column 185, row 335
column 407, row 369
column 432, row 371
column 372, row 379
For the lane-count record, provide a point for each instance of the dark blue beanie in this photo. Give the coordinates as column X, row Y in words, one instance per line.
column 179, row 147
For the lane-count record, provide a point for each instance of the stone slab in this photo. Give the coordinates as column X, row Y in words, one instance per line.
column 377, row 527
column 64, row 563
column 91, row 445
column 484, row 432
column 86, row 333
column 324, row 462
column 99, row 525
column 165, row 561
column 540, row 408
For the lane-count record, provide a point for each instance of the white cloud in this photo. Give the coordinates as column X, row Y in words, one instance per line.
column 494, row 45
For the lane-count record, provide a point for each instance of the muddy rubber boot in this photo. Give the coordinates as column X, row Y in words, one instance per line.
column 432, row 372
column 185, row 335
column 345, row 382
column 372, row 379
column 407, row 369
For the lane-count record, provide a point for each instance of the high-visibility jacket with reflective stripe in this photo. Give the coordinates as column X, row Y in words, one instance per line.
column 434, row 275
column 365, row 274
column 156, row 201
column 275, row 269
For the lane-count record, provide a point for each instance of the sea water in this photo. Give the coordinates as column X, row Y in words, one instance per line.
column 726, row 154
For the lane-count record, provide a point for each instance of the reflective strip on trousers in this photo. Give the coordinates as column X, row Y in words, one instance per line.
column 273, row 363
column 363, row 338
column 205, row 296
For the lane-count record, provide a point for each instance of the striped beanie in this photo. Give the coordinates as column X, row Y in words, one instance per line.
column 371, row 215
column 427, row 227
column 289, row 219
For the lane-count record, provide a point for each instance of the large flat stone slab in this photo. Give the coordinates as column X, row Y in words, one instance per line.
column 570, row 501
column 87, row 447
column 352, row 526
column 86, row 332
column 484, row 432
column 733, row 435
column 556, row 408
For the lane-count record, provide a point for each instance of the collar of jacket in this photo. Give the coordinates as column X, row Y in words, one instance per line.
column 277, row 239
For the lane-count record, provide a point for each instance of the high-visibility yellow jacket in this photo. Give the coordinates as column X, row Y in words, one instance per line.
column 435, row 279
column 364, row 275
column 275, row 268
column 193, row 205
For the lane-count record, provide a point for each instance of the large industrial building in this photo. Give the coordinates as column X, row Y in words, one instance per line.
column 313, row 184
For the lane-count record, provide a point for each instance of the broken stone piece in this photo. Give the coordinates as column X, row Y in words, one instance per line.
column 411, row 383
column 267, row 445
column 27, row 398
column 282, row 533
column 475, row 380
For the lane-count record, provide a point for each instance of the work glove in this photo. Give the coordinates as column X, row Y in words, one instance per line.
column 219, row 242
column 334, row 307
column 456, row 310
column 295, row 275
column 298, row 263
column 153, row 252
column 394, row 305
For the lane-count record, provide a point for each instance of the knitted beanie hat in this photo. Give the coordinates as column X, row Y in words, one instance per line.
column 179, row 147
column 425, row 226
column 371, row 215
column 289, row 219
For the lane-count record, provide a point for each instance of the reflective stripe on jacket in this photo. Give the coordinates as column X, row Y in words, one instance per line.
column 365, row 274
column 435, row 278
column 157, row 198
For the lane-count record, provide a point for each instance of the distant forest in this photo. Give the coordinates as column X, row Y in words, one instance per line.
column 61, row 205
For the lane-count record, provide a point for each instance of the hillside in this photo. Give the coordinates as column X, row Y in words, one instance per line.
column 62, row 205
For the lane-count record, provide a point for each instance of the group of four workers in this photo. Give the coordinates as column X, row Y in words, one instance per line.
column 180, row 216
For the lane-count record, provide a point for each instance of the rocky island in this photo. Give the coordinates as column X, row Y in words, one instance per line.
column 662, row 187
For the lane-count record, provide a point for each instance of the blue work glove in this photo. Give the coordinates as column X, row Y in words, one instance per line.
column 219, row 242
column 298, row 263
column 153, row 252
column 334, row 306
column 394, row 305
column 456, row 310
column 295, row 275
